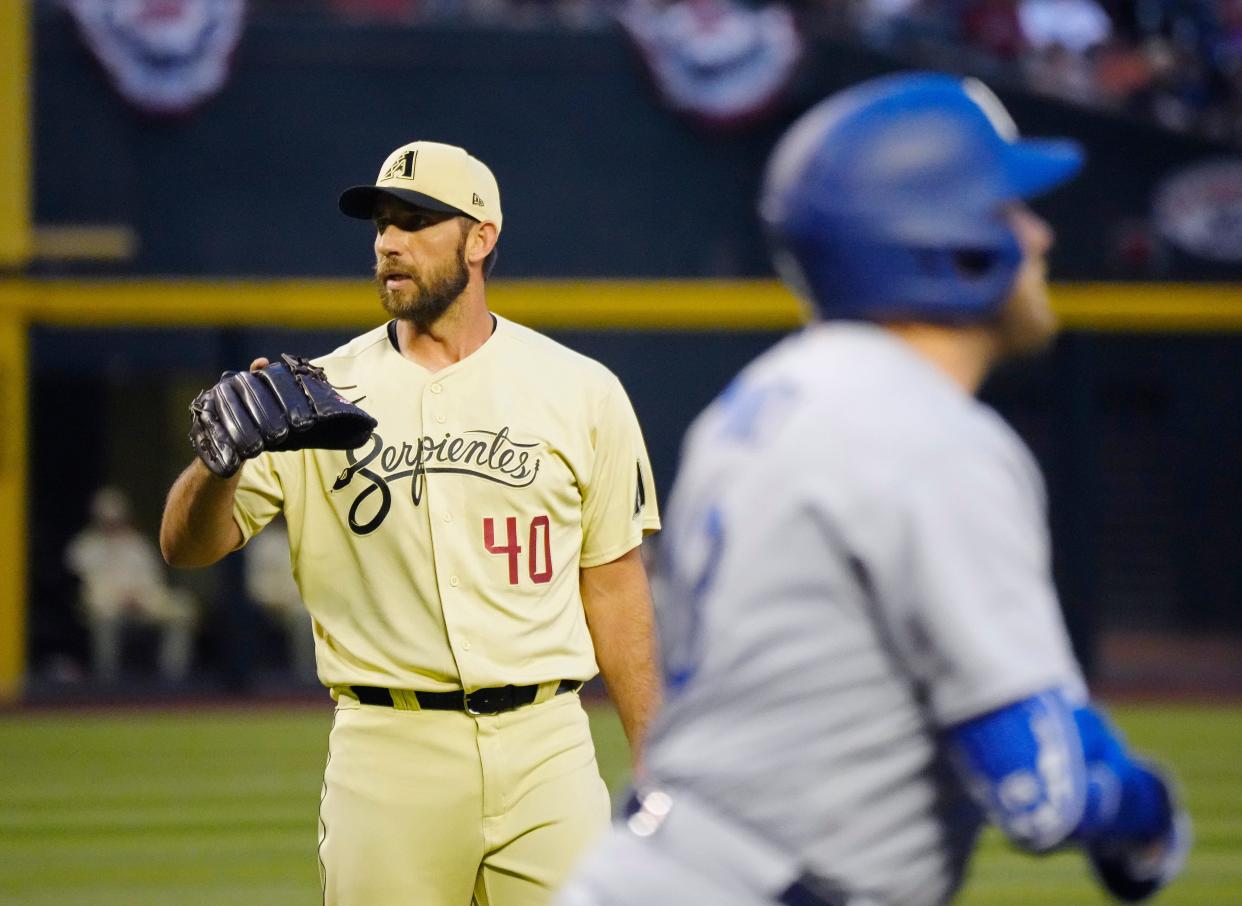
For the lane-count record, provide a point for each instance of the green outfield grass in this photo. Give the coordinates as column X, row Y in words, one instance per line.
column 219, row 808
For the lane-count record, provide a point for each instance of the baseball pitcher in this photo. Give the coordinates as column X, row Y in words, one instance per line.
column 864, row 652
column 465, row 532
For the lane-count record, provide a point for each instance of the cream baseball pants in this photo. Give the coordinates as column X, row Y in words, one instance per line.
column 445, row 808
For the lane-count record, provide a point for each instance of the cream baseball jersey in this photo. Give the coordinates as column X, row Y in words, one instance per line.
column 444, row 554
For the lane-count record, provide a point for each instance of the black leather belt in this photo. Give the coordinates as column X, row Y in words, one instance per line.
column 481, row 701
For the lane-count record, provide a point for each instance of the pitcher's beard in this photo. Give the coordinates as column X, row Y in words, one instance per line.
column 425, row 302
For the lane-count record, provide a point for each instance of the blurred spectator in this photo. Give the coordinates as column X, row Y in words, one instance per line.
column 1060, row 35
column 880, row 19
column 123, row 584
column 1075, row 25
column 993, row 26
column 1124, row 75
column 1228, row 58
column 1057, row 70
column 270, row 583
column 1229, row 42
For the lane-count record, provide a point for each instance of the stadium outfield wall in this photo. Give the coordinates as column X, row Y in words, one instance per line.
column 656, row 334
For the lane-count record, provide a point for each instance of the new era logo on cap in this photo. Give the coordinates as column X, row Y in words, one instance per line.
column 430, row 175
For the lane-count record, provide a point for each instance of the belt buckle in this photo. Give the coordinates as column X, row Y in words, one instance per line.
column 489, row 701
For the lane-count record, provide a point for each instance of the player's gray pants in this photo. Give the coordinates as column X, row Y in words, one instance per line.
column 675, row 851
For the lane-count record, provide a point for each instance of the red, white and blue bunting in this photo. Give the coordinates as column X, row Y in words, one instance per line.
column 164, row 56
column 719, row 61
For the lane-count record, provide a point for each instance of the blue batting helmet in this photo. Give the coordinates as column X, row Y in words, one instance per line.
column 885, row 201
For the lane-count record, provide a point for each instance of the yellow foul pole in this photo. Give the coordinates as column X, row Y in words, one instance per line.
column 15, row 233
column 15, row 250
column 13, row 529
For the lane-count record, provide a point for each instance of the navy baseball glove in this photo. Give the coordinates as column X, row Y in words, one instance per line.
column 289, row 405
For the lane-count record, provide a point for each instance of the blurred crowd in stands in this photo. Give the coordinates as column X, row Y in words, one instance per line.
column 1177, row 61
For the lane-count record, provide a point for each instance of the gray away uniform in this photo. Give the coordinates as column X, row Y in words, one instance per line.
column 858, row 558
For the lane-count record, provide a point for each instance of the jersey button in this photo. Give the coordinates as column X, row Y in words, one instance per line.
column 439, row 419
column 465, row 644
column 454, row 581
column 436, row 388
column 447, row 517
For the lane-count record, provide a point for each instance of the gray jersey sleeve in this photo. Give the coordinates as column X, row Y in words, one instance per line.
column 970, row 605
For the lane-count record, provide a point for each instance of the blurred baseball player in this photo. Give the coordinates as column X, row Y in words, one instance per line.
column 864, row 652
column 467, row 568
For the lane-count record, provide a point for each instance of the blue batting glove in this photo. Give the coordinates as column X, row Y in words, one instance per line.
column 1134, row 868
